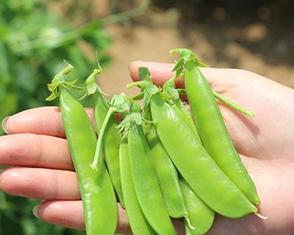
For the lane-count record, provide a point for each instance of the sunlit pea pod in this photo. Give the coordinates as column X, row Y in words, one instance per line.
column 111, row 142
column 167, row 177
column 200, row 215
column 146, row 184
column 195, row 165
column 136, row 218
column 213, row 132
column 98, row 197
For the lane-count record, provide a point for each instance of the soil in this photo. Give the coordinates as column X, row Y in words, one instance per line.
column 257, row 37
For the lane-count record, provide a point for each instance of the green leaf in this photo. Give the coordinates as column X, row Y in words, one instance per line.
column 144, row 74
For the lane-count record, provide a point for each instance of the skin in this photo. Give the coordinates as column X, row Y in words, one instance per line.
column 265, row 144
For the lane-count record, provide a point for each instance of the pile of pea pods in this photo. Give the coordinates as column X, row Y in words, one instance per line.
column 152, row 156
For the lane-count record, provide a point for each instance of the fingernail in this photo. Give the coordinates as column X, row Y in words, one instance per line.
column 36, row 211
column 3, row 124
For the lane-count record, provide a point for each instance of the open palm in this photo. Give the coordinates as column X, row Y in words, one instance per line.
column 42, row 167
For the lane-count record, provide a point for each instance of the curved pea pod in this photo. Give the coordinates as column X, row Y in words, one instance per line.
column 167, row 177
column 200, row 215
column 111, row 142
column 138, row 222
column 195, row 165
column 145, row 182
column 99, row 202
column 213, row 132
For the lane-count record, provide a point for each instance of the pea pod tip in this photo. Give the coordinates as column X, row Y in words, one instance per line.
column 261, row 216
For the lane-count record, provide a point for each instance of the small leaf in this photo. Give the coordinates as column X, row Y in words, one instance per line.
column 91, row 84
column 52, row 96
column 144, row 74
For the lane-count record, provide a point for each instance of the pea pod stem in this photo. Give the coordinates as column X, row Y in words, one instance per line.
column 248, row 113
column 110, row 143
column 119, row 103
column 261, row 216
column 228, row 102
column 94, row 164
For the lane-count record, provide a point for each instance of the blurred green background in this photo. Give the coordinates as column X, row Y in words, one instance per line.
column 36, row 36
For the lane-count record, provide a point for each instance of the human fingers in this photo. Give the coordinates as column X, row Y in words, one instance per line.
column 279, row 215
column 42, row 120
column 40, row 183
column 61, row 213
column 35, row 151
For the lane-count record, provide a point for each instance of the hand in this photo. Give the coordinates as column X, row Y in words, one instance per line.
column 42, row 168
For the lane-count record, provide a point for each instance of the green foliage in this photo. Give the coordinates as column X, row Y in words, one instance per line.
column 33, row 43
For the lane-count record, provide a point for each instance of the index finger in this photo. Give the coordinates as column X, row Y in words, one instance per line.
column 220, row 79
column 42, row 120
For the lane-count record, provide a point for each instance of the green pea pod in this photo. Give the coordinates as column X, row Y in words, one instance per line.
column 200, row 215
column 145, row 182
column 195, row 165
column 137, row 221
column 170, row 94
column 99, row 203
column 167, row 177
column 111, row 142
column 183, row 112
column 213, row 132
